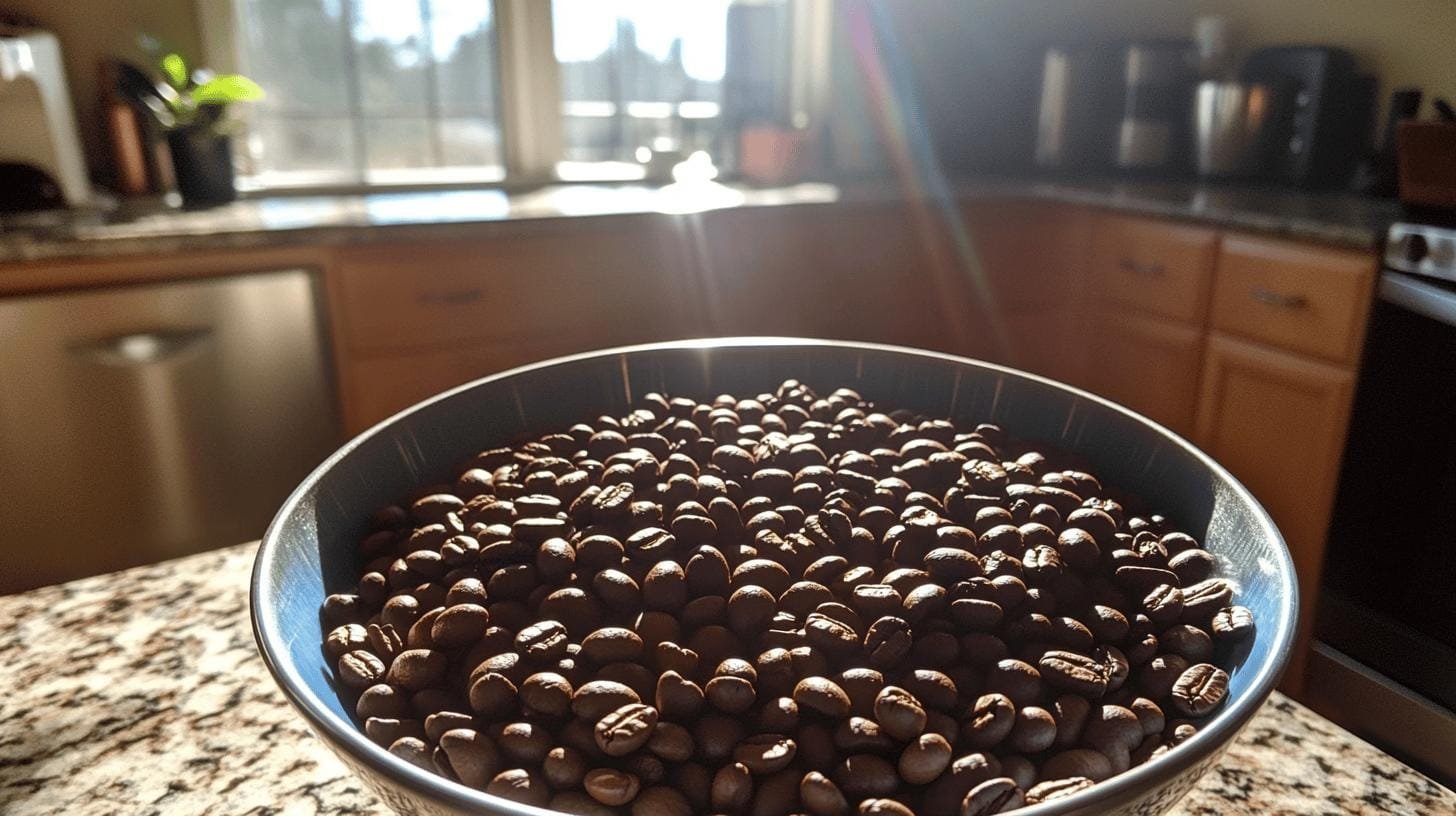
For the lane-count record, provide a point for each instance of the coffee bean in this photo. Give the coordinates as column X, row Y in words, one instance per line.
column 884, row 807
column 1199, row 690
column 732, row 788
column 1054, row 789
column 1156, row 679
column 677, row 697
column 1033, row 730
column 947, row 792
column 821, row 797
column 990, row 722
column 1017, row 679
column 612, row 644
column 472, row 756
column 611, row 787
column 717, row 735
column 1232, row 624
column 924, row 759
column 360, row 669
column 822, row 696
column 1069, row 671
column 1077, row 762
column 999, row 795
column 888, row 641
column 564, row 767
column 524, row 743
column 862, row 776
column 763, row 754
column 598, row 698
column 731, row 695
column 1164, row 604
column 625, row 729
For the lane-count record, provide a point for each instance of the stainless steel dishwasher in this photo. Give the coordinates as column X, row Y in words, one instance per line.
column 145, row 422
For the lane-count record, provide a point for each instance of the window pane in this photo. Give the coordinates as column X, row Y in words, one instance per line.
column 627, row 67
column 392, row 144
column 463, row 45
column 390, row 57
column 295, row 49
column 470, row 143
column 301, row 151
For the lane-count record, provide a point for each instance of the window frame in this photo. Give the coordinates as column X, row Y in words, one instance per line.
column 530, row 113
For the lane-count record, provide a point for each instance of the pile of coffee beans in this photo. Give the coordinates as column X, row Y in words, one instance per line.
column 778, row 604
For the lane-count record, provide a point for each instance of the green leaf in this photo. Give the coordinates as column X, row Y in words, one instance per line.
column 176, row 70
column 225, row 89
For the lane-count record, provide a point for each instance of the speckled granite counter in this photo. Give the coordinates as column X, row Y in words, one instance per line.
column 141, row 693
column 1333, row 218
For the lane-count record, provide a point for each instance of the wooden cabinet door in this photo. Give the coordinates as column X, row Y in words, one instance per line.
column 1032, row 252
column 1154, row 266
column 1148, row 364
column 1277, row 422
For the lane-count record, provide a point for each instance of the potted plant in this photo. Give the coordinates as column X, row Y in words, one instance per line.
column 198, row 132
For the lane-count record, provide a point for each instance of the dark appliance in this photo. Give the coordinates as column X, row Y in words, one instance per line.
column 1323, row 109
column 1077, row 113
column 1385, row 657
column 1158, row 82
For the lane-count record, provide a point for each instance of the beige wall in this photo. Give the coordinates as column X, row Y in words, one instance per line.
column 93, row 30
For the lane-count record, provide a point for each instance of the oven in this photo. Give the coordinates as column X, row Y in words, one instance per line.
column 1385, row 654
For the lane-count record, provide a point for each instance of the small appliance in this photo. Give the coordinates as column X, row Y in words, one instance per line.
column 1077, row 111
column 39, row 126
column 1158, row 88
column 1322, row 112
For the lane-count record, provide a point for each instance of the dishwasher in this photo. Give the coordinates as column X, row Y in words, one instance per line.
column 141, row 423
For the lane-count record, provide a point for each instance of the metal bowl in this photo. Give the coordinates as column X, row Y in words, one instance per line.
column 308, row 550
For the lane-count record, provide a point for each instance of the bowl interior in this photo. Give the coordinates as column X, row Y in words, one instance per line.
column 308, row 550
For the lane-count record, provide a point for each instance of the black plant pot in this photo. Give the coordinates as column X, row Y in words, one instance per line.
column 204, row 164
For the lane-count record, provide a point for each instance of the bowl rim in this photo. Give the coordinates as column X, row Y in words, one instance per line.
column 343, row 734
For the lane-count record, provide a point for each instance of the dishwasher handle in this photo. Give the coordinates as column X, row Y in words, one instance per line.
column 131, row 349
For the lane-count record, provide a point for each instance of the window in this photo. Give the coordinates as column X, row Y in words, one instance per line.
column 409, row 92
column 371, row 91
column 638, row 73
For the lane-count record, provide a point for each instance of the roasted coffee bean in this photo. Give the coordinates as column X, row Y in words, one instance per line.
column 1156, row 679
column 547, row 693
column 1199, row 690
column 564, row 768
column 459, row 625
column 1232, row 624
column 610, row 786
column 472, row 756
column 884, row 807
column 731, row 695
column 1076, row 673
column 862, row 776
column 596, row 699
column 1016, row 679
column 888, row 641
column 1034, row 730
column 732, row 788
column 677, row 697
column 1189, row 642
column 764, row 754
column 625, row 729
column 1164, row 604
column 1077, row 762
column 611, row 644
column 1203, row 599
column 716, row 736
column 821, row 696
column 990, row 722
column 524, row 743
column 999, row 795
column 519, row 785
column 924, row 759
column 1056, row 789
column 543, row 641
column 947, row 792
column 360, row 669
column 821, row 797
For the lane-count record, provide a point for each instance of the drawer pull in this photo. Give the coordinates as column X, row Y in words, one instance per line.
column 1279, row 299
column 1146, row 270
column 452, row 297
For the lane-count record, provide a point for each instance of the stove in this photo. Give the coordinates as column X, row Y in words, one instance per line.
column 1385, row 654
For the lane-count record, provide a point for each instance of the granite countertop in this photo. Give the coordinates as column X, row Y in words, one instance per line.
column 141, row 692
column 311, row 220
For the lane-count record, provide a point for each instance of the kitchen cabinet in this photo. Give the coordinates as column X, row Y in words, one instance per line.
column 1154, row 266
column 1148, row 364
column 1033, row 255
column 1277, row 421
column 1312, row 300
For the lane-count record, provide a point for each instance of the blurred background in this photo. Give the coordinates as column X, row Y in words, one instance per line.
column 235, row 232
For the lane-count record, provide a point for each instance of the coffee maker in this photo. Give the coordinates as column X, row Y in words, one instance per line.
column 1321, row 113
column 1152, row 136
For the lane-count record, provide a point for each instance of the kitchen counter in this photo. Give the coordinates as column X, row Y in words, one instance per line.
column 289, row 221
column 141, row 692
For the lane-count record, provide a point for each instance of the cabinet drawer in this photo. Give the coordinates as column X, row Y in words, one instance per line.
column 1300, row 298
column 1153, row 266
column 610, row 284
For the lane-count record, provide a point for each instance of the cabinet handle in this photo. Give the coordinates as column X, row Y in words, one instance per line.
column 1149, row 270
column 1272, row 298
column 452, row 297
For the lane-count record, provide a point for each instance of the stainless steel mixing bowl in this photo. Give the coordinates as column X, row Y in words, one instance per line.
column 308, row 551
